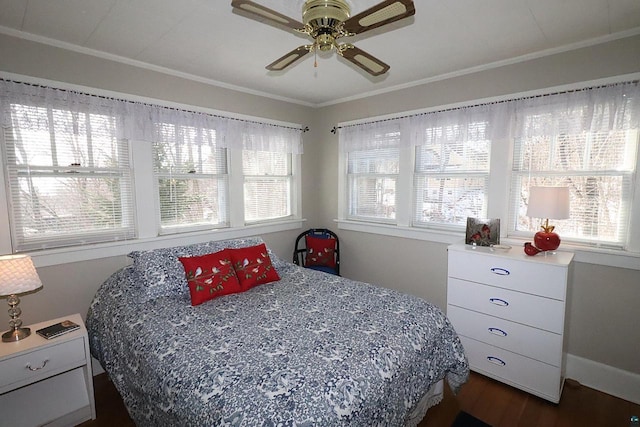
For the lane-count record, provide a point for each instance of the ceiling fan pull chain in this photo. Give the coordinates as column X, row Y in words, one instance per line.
column 315, row 58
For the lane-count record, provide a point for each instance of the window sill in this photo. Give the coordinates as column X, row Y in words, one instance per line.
column 49, row 257
column 608, row 257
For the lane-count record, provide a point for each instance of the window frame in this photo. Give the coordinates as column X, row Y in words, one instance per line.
column 288, row 179
column 191, row 175
column 17, row 241
column 354, row 176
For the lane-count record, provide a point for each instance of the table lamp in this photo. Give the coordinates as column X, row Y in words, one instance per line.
column 17, row 276
column 548, row 202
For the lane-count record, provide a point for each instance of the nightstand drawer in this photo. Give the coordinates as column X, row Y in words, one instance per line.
column 509, row 273
column 539, row 312
column 531, row 342
column 529, row 374
column 42, row 362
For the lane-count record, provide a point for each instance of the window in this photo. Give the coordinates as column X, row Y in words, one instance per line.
column 373, row 175
column 267, row 185
column 191, row 178
column 373, row 166
column 81, row 169
column 69, row 178
column 480, row 161
column 451, row 175
column 597, row 163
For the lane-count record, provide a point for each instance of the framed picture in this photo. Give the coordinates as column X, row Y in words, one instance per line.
column 483, row 232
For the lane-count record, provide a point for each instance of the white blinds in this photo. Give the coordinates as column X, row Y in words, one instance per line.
column 268, row 180
column 191, row 177
column 69, row 178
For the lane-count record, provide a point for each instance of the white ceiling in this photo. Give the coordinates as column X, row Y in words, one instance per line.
column 208, row 40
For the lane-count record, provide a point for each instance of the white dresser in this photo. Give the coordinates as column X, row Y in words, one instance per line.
column 509, row 309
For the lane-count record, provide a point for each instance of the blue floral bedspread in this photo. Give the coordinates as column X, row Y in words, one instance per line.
column 309, row 350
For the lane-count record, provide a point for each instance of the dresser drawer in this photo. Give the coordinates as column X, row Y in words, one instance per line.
column 525, row 340
column 531, row 310
column 529, row 374
column 508, row 272
column 42, row 362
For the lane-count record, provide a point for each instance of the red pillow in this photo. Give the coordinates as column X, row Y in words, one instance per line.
column 320, row 252
column 210, row 276
column 253, row 266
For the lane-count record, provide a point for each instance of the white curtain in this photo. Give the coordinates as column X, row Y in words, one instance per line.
column 247, row 135
column 484, row 122
column 614, row 107
column 139, row 121
column 376, row 135
column 604, row 109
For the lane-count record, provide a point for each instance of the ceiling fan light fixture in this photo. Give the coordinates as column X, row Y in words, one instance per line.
column 325, row 42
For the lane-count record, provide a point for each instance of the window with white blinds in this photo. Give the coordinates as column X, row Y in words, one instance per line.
column 586, row 141
column 268, row 180
column 372, row 176
column 598, row 168
column 436, row 169
column 192, row 179
column 68, row 177
column 451, row 175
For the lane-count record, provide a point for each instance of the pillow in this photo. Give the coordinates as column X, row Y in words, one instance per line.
column 210, row 276
column 320, row 252
column 159, row 273
column 253, row 266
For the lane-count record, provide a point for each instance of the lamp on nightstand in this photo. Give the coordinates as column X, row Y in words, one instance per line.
column 17, row 276
column 548, row 202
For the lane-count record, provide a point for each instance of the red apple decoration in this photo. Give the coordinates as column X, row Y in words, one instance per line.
column 546, row 240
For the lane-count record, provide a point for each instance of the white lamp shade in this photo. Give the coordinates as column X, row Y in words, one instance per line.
column 18, row 275
column 548, row 202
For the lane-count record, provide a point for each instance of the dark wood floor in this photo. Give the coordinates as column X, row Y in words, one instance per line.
column 493, row 402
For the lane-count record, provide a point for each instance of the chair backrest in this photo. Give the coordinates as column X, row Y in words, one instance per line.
column 300, row 249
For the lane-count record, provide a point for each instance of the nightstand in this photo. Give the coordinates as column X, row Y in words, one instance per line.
column 509, row 310
column 47, row 382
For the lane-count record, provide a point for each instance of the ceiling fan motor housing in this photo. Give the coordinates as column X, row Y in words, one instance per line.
column 325, row 13
column 323, row 18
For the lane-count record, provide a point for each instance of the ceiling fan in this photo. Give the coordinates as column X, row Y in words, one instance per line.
column 326, row 21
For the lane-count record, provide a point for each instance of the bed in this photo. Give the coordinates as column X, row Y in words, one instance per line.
column 310, row 349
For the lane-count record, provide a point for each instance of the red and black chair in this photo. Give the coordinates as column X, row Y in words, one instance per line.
column 318, row 249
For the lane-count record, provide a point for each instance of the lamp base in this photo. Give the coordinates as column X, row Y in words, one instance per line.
column 16, row 334
column 546, row 240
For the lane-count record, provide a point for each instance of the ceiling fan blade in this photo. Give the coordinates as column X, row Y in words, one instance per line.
column 381, row 14
column 288, row 59
column 265, row 12
column 362, row 59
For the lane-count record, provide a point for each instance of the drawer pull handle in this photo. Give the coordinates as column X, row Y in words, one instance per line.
column 496, row 361
column 37, row 369
column 498, row 301
column 497, row 331
column 500, row 271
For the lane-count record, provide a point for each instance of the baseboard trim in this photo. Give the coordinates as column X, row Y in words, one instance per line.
column 605, row 378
